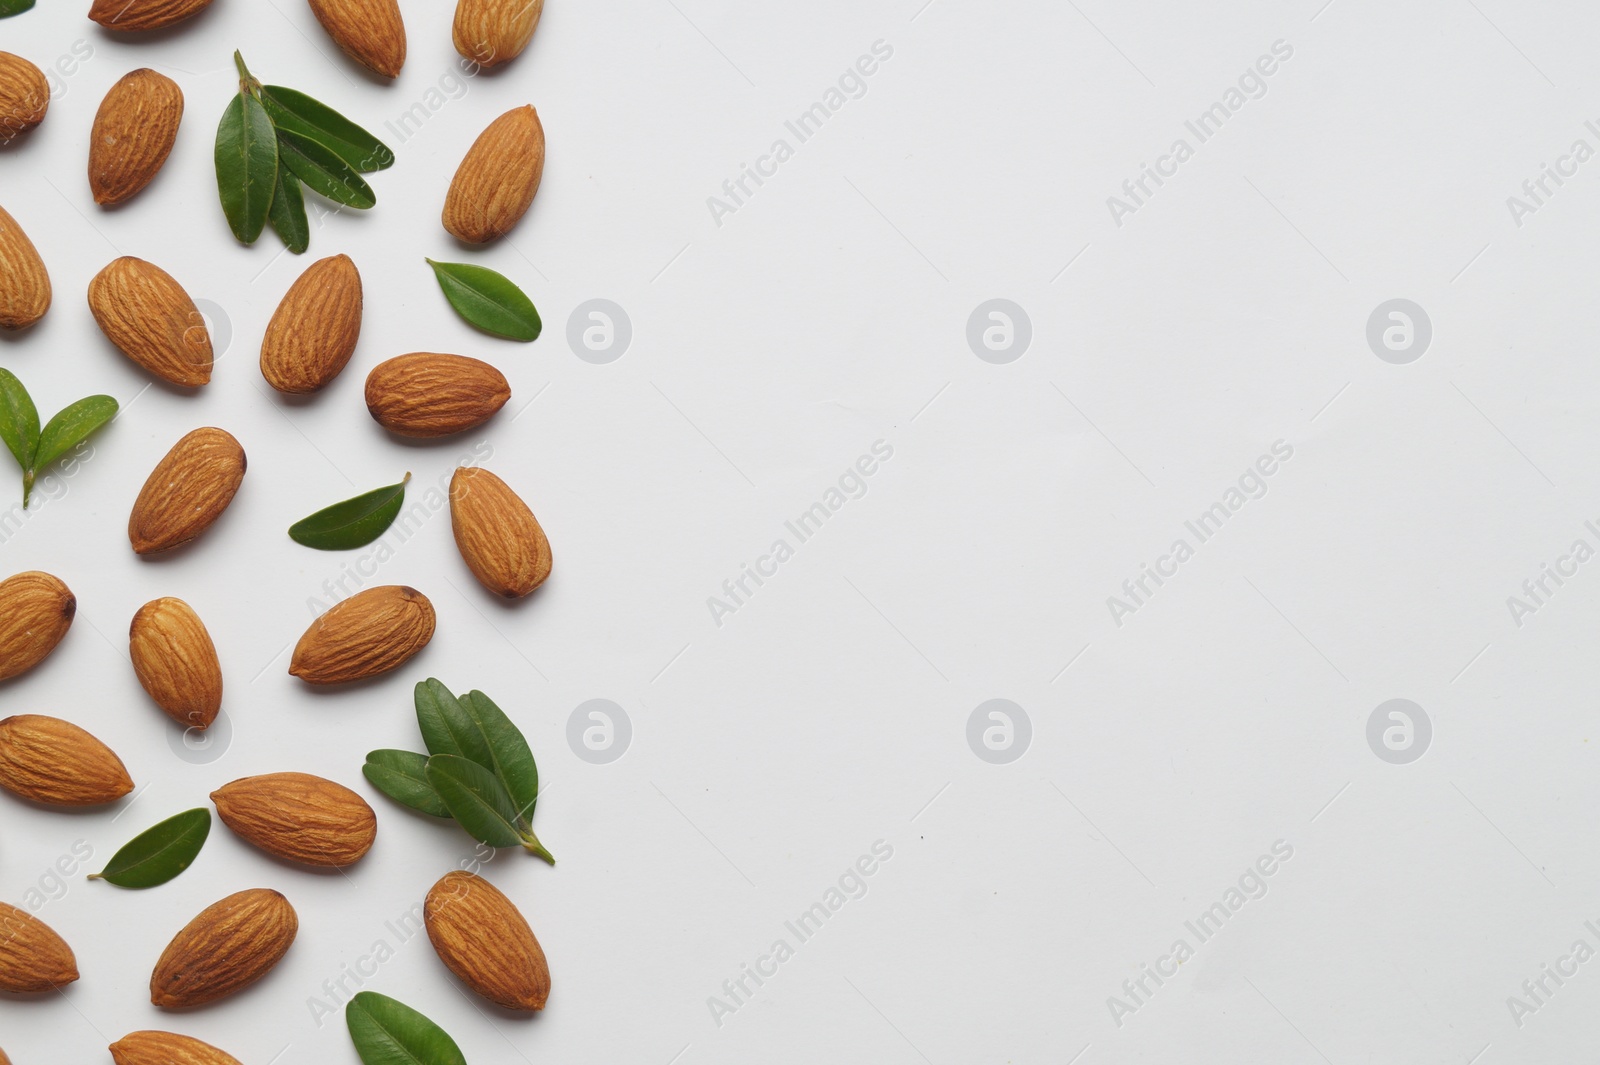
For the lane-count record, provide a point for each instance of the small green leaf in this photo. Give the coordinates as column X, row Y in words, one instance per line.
column 488, row 300
column 71, row 426
column 14, row 7
column 446, row 726
column 323, row 171
column 288, row 213
column 388, row 1032
column 353, row 523
column 403, row 776
column 476, row 799
column 158, row 854
column 299, row 113
column 513, row 760
column 247, row 166
column 19, row 420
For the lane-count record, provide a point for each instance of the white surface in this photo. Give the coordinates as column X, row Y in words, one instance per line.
column 768, row 353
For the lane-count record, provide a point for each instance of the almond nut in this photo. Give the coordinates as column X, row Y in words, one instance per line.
column 484, row 939
column 370, row 31
column 493, row 32
column 499, row 538
column 176, row 661
column 187, row 491
column 136, row 16
column 152, row 320
column 24, row 282
column 133, row 134
column 50, row 761
column 370, row 633
column 36, row 610
column 314, row 331
column 24, row 96
column 32, row 957
column 494, row 186
column 166, row 1048
column 299, row 818
column 229, row 946
column 426, row 394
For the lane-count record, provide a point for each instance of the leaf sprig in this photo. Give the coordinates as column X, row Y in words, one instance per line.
column 34, row 449
column 388, row 1032
column 159, row 853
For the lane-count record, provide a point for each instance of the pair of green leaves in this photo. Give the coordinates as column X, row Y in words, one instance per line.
column 160, row 853
column 14, row 7
column 36, row 449
column 388, row 1032
column 478, row 770
column 271, row 142
column 488, row 300
column 355, row 522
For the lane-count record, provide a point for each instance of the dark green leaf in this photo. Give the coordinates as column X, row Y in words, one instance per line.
column 476, row 799
column 288, row 213
column 19, row 420
column 446, row 726
column 323, row 171
column 14, row 7
column 247, row 166
column 513, row 760
column 71, row 426
column 353, row 523
column 403, row 776
column 158, row 854
column 488, row 300
column 299, row 113
column 387, row 1032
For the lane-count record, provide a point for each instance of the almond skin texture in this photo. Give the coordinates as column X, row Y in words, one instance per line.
column 166, row 1048
column 24, row 282
column 299, row 818
column 133, row 134
column 32, row 957
column 370, row 32
column 314, row 331
column 36, row 610
column 136, row 16
column 50, row 761
column 493, row 32
column 152, row 320
column 176, row 661
column 499, row 538
column 370, row 633
column 482, row 938
column 494, row 186
column 228, row 947
column 24, row 96
column 426, row 394
column 187, row 491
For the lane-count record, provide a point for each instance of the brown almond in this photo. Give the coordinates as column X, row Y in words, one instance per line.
column 137, row 16
column 51, row 761
column 36, row 610
column 494, row 32
column 370, row 633
column 229, row 946
column 299, row 818
column 166, row 1048
column 314, row 331
column 24, row 96
column 484, row 939
column 426, row 394
column 499, row 538
column 176, row 661
column 187, row 491
column 370, row 31
column 133, row 134
column 24, row 282
column 33, row 958
column 495, row 183
column 152, row 320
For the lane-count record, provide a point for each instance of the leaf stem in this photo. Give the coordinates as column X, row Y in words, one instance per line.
column 531, row 844
column 27, row 487
column 247, row 82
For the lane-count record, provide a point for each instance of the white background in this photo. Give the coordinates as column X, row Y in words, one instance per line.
column 830, row 711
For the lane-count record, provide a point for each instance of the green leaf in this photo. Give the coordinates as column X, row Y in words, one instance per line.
column 387, row 1032
column 446, row 726
column 513, row 760
column 71, row 426
column 14, row 7
column 476, row 799
column 323, row 171
column 403, row 776
column 288, row 213
column 158, row 854
column 488, row 300
column 299, row 113
column 247, row 166
column 353, row 523
column 19, row 420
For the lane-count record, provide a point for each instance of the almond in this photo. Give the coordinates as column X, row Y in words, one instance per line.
column 370, row 31
column 24, row 282
column 499, row 538
column 32, row 957
column 166, row 1048
column 187, row 491
column 228, row 947
column 149, row 316
column 314, row 331
column 426, row 394
column 136, row 16
column 370, row 633
column 492, row 32
column 50, row 761
column 24, row 96
column 36, row 610
column 482, row 938
column 299, row 818
column 176, row 661
column 133, row 134
column 494, row 186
